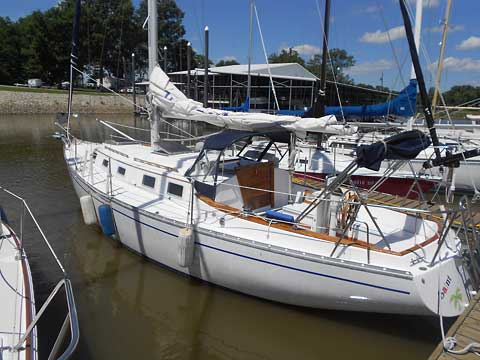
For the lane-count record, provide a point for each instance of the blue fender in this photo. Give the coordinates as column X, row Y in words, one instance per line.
column 105, row 215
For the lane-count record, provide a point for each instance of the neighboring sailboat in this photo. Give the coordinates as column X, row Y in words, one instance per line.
column 18, row 316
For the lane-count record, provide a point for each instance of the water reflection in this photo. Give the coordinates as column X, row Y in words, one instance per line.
column 131, row 308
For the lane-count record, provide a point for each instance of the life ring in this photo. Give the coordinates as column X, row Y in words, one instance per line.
column 348, row 208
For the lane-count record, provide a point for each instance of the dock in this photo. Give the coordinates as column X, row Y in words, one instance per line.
column 465, row 330
column 380, row 198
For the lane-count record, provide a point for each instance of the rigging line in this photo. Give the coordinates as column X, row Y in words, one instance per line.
column 331, row 62
column 122, row 12
column 395, row 56
column 266, row 56
column 103, row 42
column 112, row 91
column 440, row 94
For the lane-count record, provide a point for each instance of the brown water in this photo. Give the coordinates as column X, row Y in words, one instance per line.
column 130, row 308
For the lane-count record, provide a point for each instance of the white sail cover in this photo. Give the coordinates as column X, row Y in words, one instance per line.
column 174, row 104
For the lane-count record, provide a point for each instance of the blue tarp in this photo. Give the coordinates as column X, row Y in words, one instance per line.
column 404, row 104
column 245, row 107
column 403, row 146
column 291, row 112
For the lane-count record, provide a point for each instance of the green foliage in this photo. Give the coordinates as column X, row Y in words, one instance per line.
column 199, row 61
column 38, row 45
column 286, row 56
column 9, row 51
column 460, row 94
column 337, row 62
column 227, row 62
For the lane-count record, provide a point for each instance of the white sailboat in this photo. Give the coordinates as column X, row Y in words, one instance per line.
column 18, row 315
column 236, row 220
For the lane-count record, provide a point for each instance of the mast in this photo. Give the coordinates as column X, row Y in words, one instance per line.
column 73, row 61
column 442, row 54
column 250, row 44
column 318, row 108
column 418, row 31
column 205, row 74
column 152, row 35
column 152, row 62
column 189, row 60
column 323, row 80
column 427, row 109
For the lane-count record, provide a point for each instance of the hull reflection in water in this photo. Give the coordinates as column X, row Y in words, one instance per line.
column 158, row 313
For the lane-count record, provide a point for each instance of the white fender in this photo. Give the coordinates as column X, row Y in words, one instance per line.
column 88, row 210
column 186, row 247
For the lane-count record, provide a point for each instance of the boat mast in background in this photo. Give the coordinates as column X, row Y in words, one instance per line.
column 318, row 107
column 418, row 32
column 152, row 62
column 427, row 109
column 73, row 62
column 250, row 44
column 442, row 54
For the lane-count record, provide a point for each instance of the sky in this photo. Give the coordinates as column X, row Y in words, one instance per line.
column 370, row 30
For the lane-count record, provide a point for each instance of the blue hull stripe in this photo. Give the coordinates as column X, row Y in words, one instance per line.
column 269, row 262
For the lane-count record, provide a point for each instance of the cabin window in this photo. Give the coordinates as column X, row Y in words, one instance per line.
column 148, row 181
column 175, row 189
column 121, row 170
column 105, row 162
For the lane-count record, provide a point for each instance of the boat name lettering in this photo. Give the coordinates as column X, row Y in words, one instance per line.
column 445, row 287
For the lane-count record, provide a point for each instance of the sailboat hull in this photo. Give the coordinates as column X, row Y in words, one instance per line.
column 270, row 273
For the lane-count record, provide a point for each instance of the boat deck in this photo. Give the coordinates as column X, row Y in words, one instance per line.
column 395, row 200
column 465, row 330
column 14, row 314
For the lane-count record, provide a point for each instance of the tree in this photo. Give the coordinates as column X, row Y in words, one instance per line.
column 286, row 56
column 337, row 61
column 10, row 56
column 461, row 94
column 227, row 62
column 170, row 33
column 199, row 61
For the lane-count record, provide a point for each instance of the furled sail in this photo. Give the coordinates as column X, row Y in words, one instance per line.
column 404, row 104
column 403, row 146
column 167, row 98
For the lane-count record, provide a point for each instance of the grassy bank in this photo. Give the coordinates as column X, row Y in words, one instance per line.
column 24, row 89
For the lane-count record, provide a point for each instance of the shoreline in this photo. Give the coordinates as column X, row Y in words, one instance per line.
column 23, row 102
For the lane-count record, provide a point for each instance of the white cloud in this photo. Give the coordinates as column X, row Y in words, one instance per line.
column 229, row 58
column 380, row 37
column 451, row 28
column 456, row 64
column 473, row 42
column 369, row 67
column 305, row 49
column 372, row 9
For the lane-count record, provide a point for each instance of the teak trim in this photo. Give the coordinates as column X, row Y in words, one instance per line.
column 290, row 228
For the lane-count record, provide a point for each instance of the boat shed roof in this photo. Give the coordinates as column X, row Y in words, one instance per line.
column 291, row 71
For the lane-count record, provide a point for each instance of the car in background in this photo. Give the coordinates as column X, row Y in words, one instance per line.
column 35, row 83
column 65, row 84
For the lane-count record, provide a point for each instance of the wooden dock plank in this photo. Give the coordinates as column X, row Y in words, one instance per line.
column 465, row 330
